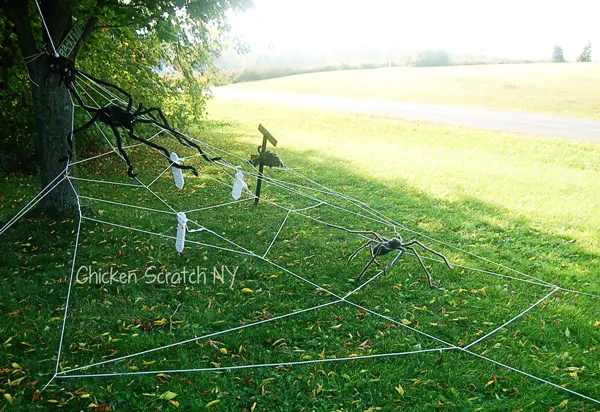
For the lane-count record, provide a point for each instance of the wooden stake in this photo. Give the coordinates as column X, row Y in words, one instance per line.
column 267, row 137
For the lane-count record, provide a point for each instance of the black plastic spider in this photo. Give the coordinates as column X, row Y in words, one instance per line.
column 267, row 158
column 63, row 67
column 117, row 117
column 380, row 246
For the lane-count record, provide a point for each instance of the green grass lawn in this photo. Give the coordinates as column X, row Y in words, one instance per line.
column 569, row 89
column 528, row 203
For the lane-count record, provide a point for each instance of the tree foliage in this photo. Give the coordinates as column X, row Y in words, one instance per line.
column 129, row 43
column 557, row 54
column 586, row 54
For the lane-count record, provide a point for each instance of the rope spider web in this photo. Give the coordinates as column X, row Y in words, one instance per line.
column 314, row 196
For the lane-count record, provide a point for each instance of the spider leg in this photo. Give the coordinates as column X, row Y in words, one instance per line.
column 373, row 254
column 74, row 131
column 369, row 232
column 360, row 232
column 429, row 278
column 105, row 83
column 179, row 136
column 364, row 245
column 416, row 242
column 122, row 151
column 77, row 96
column 162, row 149
column 148, row 111
column 365, row 269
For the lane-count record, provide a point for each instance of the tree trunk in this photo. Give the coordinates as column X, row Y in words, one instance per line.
column 52, row 104
column 53, row 109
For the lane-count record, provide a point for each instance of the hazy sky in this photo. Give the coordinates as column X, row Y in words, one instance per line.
column 512, row 28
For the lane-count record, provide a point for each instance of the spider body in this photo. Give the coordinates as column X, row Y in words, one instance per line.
column 267, row 158
column 64, row 67
column 117, row 117
column 379, row 246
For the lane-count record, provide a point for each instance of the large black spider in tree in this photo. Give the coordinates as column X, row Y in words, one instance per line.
column 379, row 246
column 117, row 117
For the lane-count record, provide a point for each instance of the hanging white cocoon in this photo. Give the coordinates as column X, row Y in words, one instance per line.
column 238, row 185
column 177, row 173
column 181, row 228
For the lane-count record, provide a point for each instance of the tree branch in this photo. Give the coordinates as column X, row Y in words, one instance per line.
column 89, row 28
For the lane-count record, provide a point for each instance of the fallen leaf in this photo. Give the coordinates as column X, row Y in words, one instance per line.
column 247, row 290
column 400, row 390
column 9, row 398
column 16, row 381
column 168, row 395
column 211, row 403
column 489, row 383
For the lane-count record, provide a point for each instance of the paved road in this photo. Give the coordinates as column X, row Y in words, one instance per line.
column 540, row 124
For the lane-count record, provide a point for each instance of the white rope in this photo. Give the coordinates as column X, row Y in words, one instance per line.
column 64, row 321
column 424, row 235
column 531, row 376
column 476, row 354
column 370, row 209
column 363, row 206
column 402, row 324
column 219, row 205
column 32, row 203
column 476, row 256
column 466, row 267
column 276, row 234
column 486, row 272
column 114, row 149
column 165, row 236
column 46, row 27
column 308, row 207
column 92, row 158
column 209, row 335
column 106, row 182
column 580, row 293
column 126, row 205
column 381, row 272
column 160, row 175
column 390, row 222
column 505, row 324
column 33, row 57
column 262, row 365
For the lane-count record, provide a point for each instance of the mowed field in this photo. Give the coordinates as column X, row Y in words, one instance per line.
column 529, row 203
column 568, row 89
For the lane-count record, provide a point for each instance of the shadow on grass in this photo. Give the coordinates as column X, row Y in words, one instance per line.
column 36, row 265
column 471, row 224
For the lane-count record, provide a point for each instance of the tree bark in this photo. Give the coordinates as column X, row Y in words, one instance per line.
column 52, row 104
column 53, row 117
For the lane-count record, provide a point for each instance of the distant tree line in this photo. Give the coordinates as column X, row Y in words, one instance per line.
column 585, row 56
